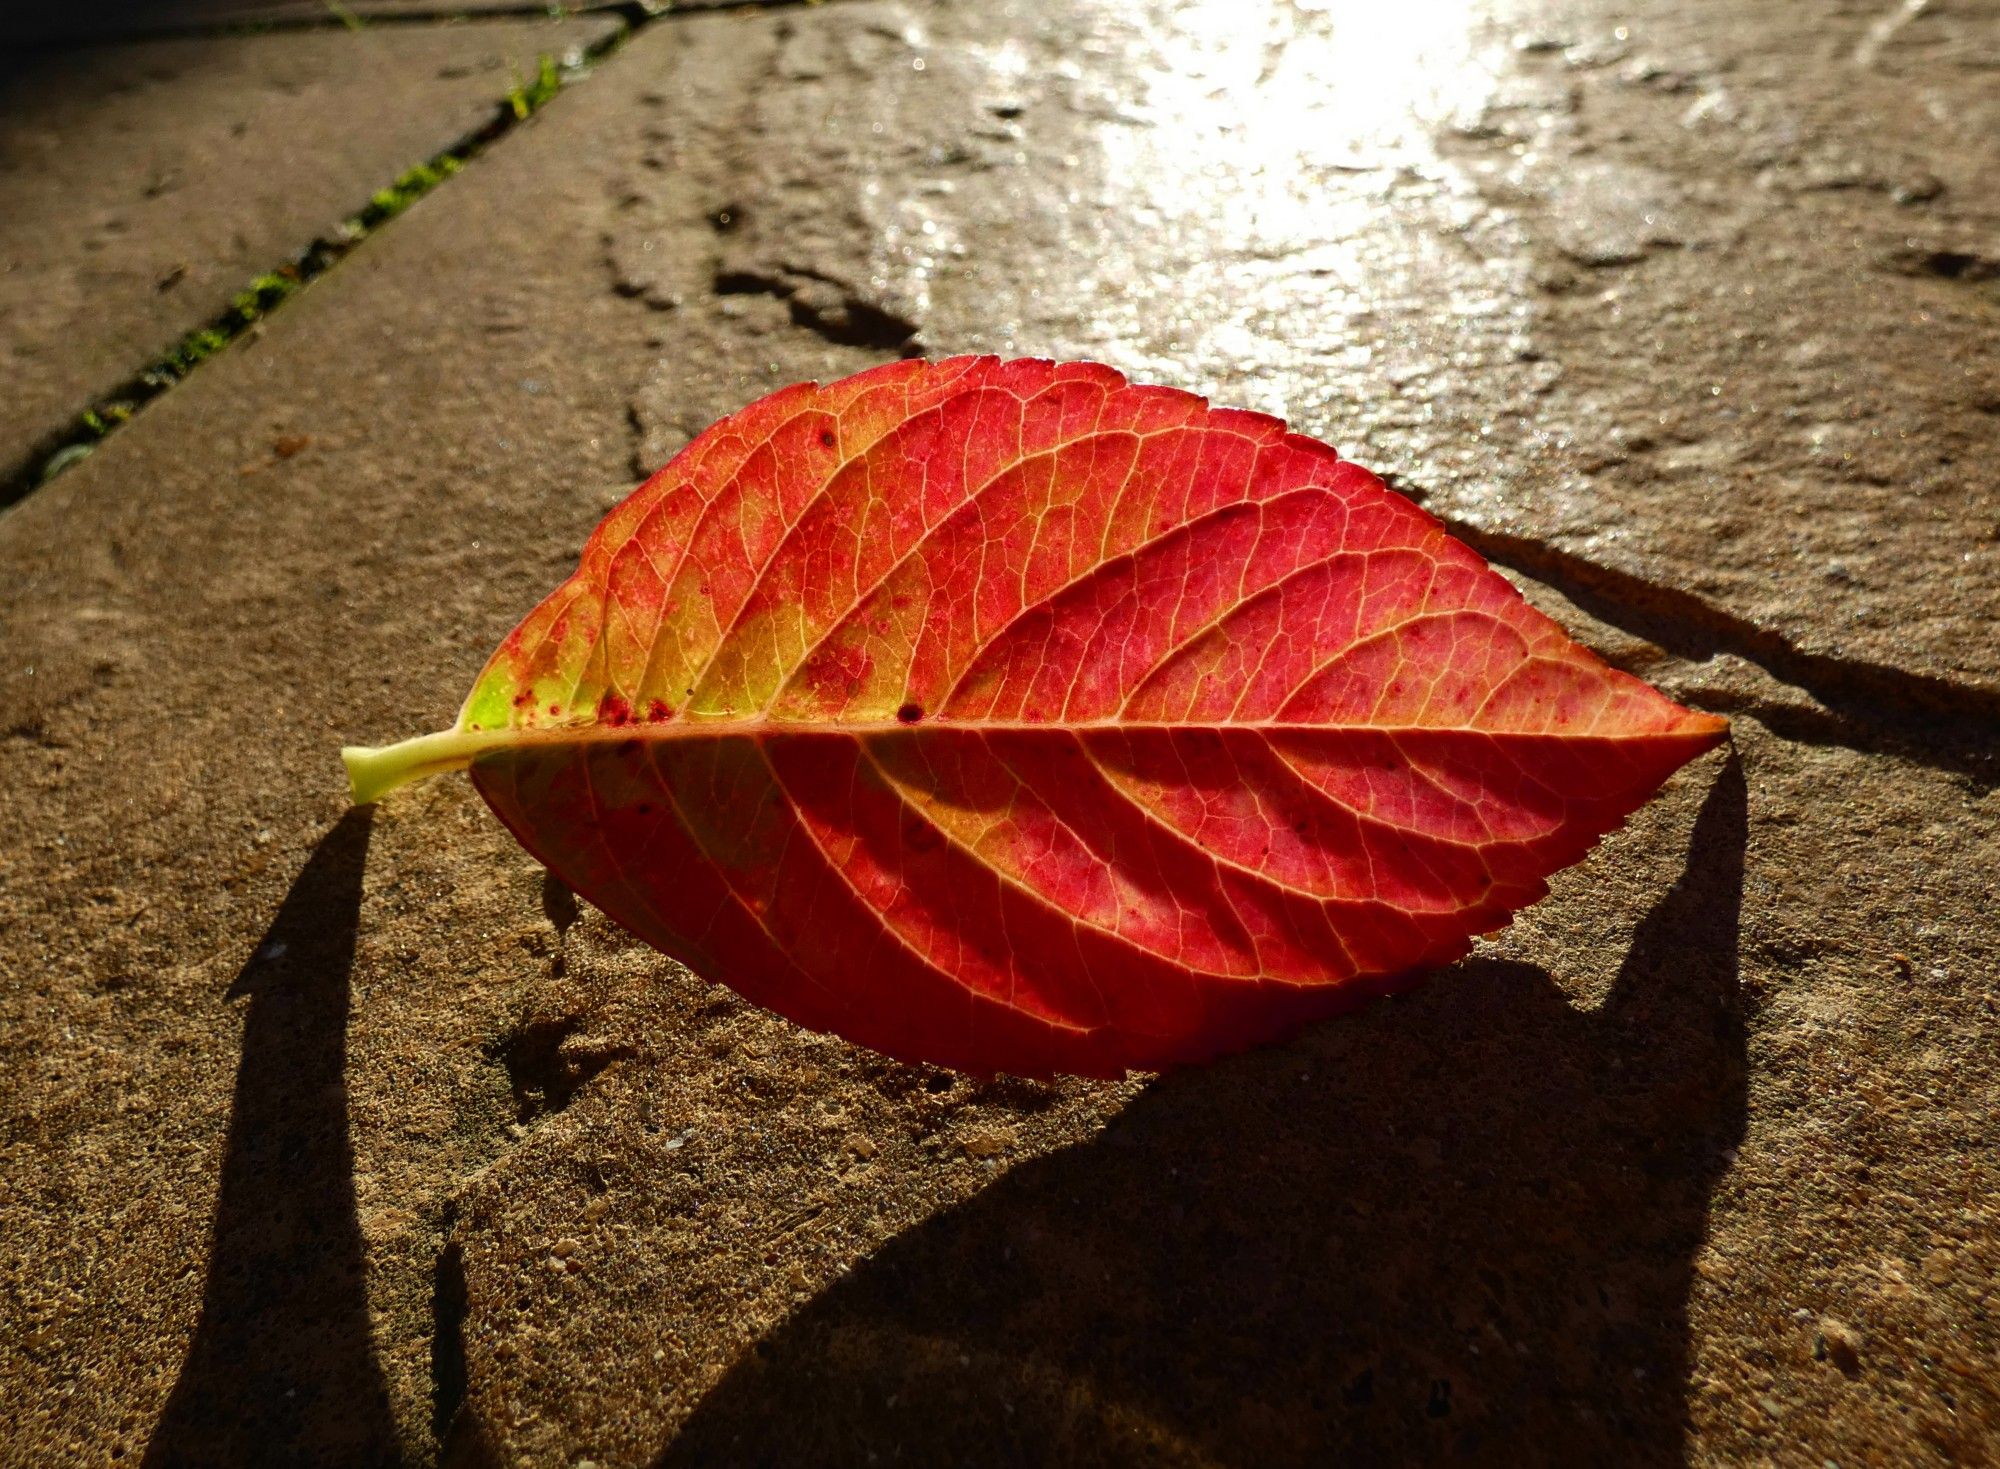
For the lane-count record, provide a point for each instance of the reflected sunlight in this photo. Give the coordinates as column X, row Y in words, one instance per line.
column 1260, row 146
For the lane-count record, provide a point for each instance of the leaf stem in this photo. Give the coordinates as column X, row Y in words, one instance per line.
column 373, row 772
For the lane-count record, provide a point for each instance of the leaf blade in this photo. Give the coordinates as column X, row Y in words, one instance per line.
column 1009, row 716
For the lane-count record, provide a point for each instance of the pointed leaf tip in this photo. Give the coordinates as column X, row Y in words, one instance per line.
column 1010, row 716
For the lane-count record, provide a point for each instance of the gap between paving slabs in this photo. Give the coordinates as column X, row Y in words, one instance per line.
column 264, row 293
column 267, row 291
column 271, row 289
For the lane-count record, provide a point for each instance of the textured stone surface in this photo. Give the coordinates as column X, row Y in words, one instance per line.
column 142, row 186
column 1606, row 292
column 1694, row 1163
column 188, row 801
column 41, row 25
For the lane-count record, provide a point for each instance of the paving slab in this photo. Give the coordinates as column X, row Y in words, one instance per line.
column 146, row 185
column 120, row 1158
column 96, row 21
column 1694, row 1163
column 1752, row 275
column 1595, row 283
column 110, row 21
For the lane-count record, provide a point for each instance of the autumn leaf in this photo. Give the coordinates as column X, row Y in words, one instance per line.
column 1008, row 716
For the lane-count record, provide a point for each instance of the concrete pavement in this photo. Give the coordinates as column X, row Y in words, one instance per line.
column 149, row 184
column 343, row 1140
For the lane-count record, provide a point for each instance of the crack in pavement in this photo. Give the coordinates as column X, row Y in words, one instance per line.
column 826, row 306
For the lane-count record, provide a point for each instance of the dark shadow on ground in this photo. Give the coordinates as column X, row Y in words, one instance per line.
column 282, row 1369
column 24, row 28
column 1458, row 1228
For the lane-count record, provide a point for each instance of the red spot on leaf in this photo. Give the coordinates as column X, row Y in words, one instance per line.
column 838, row 674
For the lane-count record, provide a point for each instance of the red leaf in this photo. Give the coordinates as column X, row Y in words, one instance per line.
column 1008, row 716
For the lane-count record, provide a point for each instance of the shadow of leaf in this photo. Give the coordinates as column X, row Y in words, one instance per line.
column 1459, row 1226
column 282, row 1369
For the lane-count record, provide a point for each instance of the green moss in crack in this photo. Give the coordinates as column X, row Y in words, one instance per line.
column 524, row 99
column 409, row 186
column 264, row 294
column 248, row 306
column 267, row 292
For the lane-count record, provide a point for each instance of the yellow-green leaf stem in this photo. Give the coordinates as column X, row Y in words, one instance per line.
column 373, row 772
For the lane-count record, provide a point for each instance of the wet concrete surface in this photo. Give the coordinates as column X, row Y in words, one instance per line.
column 1681, row 311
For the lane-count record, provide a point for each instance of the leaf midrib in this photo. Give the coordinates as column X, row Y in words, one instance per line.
column 374, row 772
